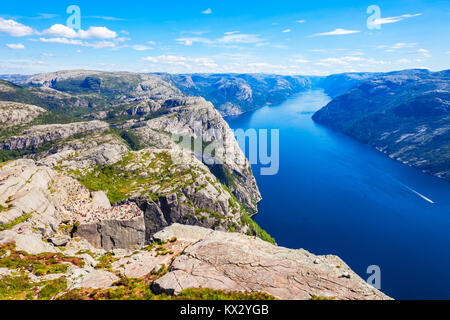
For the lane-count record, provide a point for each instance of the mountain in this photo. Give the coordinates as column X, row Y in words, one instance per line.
column 100, row 200
column 234, row 94
column 404, row 114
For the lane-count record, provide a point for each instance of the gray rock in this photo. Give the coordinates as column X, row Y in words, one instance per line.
column 60, row 241
column 113, row 234
column 234, row 262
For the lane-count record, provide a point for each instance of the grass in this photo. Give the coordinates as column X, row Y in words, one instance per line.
column 15, row 222
column 40, row 265
column 3, row 208
column 255, row 229
column 21, row 288
column 105, row 261
column 208, row 294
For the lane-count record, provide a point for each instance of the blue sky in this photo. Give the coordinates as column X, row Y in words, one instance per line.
column 285, row 37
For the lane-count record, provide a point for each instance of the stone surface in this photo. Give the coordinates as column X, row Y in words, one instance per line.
column 110, row 234
column 234, row 262
column 15, row 114
column 91, row 278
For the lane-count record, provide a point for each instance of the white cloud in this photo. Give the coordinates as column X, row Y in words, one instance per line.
column 229, row 33
column 190, row 41
column 97, row 33
column 151, row 43
column 207, row 11
column 423, row 52
column 139, row 47
column 337, row 32
column 14, row 28
column 301, row 21
column 59, row 30
column 300, row 61
column 17, row 46
column 61, row 41
column 181, row 61
column 287, row 31
column 77, row 42
column 382, row 21
column 229, row 38
column 240, row 38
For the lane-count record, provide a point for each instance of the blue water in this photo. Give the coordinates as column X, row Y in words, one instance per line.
column 334, row 195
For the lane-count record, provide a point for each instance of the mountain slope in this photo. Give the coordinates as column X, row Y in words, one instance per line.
column 139, row 111
column 404, row 114
column 234, row 94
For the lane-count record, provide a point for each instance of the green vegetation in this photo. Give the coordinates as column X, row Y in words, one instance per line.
column 139, row 289
column 319, row 298
column 39, row 265
column 120, row 182
column 21, row 288
column 132, row 140
column 2, row 208
column 255, row 229
column 106, row 261
column 15, row 222
column 208, row 294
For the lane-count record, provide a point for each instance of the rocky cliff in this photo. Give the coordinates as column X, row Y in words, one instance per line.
column 75, row 245
column 234, row 94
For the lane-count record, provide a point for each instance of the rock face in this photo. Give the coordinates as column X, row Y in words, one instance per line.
column 196, row 119
column 234, row 262
column 39, row 135
column 15, row 114
column 112, row 234
column 234, row 94
column 184, row 256
column 404, row 114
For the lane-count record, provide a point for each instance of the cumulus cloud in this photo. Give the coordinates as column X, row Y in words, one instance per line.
column 337, row 32
column 207, row 11
column 301, row 21
column 17, row 46
column 14, row 28
column 287, row 31
column 59, row 30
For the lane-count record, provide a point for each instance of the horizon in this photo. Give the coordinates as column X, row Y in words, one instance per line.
column 220, row 73
column 286, row 38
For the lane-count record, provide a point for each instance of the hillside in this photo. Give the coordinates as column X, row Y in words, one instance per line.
column 99, row 200
column 234, row 94
column 404, row 114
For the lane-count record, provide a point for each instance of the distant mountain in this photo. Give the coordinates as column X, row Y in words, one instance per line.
column 337, row 84
column 405, row 114
column 14, row 78
column 234, row 94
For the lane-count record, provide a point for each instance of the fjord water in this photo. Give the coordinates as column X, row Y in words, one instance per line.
column 334, row 195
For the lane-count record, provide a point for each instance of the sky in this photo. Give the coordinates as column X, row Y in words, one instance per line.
column 298, row 37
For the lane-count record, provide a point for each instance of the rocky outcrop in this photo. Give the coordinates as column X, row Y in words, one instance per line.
column 16, row 114
column 234, row 262
column 198, row 119
column 40, row 135
column 113, row 234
